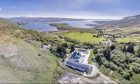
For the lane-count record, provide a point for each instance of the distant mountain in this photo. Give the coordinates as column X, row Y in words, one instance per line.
column 125, row 22
column 7, row 27
column 48, row 19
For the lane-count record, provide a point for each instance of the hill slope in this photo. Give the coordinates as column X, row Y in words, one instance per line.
column 125, row 22
column 22, row 62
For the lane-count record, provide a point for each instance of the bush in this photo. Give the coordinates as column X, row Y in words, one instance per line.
column 65, row 45
column 98, row 58
column 122, row 65
column 126, row 76
column 95, row 51
column 61, row 51
column 106, row 64
column 138, row 52
column 130, row 73
column 112, row 66
column 89, row 44
column 72, row 40
column 107, row 53
column 136, row 69
column 124, row 49
column 101, row 50
column 119, row 69
column 112, row 47
column 72, row 48
column 39, row 54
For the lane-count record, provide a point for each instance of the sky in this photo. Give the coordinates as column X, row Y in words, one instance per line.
column 90, row 9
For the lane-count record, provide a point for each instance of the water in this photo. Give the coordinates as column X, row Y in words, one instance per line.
column 44, row 25
column 79, row 24
column 40, row 26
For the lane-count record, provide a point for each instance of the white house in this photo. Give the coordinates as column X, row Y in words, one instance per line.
column 45, row 46
column 107, row 43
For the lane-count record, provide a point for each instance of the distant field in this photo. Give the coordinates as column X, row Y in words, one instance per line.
column 129, row 39
column 123, row 40
column 83, row 37
column 132, row 33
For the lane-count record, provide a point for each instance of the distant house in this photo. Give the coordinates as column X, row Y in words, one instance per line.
column 123, row 36
column 45, row 46
column 107, row 43
column 76, row 61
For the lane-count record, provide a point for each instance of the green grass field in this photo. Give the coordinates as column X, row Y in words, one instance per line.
column 83, row 37
column 128, row 39
column 123, row 40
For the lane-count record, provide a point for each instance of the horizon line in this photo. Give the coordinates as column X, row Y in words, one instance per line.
column 74, row 17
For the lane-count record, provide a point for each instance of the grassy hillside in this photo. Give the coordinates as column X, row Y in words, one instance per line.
column 27, row 66
column 22, row 62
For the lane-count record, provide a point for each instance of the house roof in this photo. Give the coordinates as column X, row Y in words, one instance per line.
column 77, row 66
column 75, row 55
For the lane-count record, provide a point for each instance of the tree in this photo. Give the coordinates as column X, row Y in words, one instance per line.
column 130, row 48
column 107, row 53
column 126, row 75
column 98, row 58
column 95, row 51
column 112, row 47
column 61, row 51
column 138, row 52
column 130, row 73
column 65, row 45
column 72, row 48
column 124, row 49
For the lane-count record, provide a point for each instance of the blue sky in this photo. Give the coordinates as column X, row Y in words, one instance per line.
column 96, row 9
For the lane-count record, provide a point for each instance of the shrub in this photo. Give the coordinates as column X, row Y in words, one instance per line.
column 124, row 49
column 119, row 69
column 107, row 53
column 89, row 44
column 95, row 51
column 39, row 54
column 72, row 48
column 112, row 47
column 98, row 58
column 130, row 73
column 112, row 66
column 138, row 52
column 136, row 69
column 101, row 50
column 61, row 51
column 126, row 75
column 106, row 64
column 122, row 65
column 65, row 45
